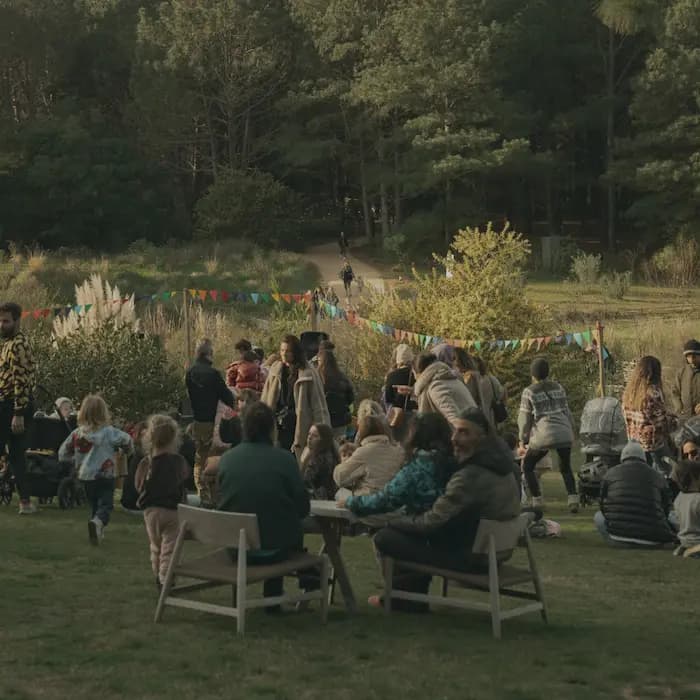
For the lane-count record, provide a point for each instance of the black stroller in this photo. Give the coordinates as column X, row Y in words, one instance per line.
column 603, row 436
column 48, row 478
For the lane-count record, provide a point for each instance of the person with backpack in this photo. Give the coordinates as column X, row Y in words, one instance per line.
column 347, row 275
column 338, row 389
column 545, row 423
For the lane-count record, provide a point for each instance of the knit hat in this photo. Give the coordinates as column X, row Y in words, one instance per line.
column 539, row 369
column 633, row 450
column 60, row 401
column 404, row 355
column 476, row 416
column 692, row 347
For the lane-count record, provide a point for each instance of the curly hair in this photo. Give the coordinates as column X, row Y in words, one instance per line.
column 646, row 375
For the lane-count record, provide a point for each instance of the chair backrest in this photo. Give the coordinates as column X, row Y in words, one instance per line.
column 506, row 534
column 218, row 528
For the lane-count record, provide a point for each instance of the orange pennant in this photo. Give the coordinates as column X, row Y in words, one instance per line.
column 287, row 298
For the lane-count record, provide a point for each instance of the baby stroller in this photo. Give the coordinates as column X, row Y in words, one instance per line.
column 603, row 436
column 48, row 478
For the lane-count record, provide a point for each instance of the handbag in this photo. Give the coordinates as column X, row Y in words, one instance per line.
column 500, row 410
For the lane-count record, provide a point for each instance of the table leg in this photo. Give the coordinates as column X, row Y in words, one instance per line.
column 330, row 539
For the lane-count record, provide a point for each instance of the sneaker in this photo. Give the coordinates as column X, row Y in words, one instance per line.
column 574, row 503
column 27, row 508
column 95, row 530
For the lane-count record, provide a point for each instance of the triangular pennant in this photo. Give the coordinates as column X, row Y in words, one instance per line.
column 287, row 298
column 297, row 298
column 493, row 345
column 276, row 296
column 531, row 342
column 26, row 313
column 266, row 298
column 546, row 341
column 192, row 292
column 578, row 337
column 514, row 344
column 45, row 312
column 165, row 296
column 202, row 294
column 36, row 313
column 77, row 308
column 56, row 312
column 587, row 337
column 477, row 345
column 500, row 344
column 225, row 296
column 569, row 338
column 214, row 294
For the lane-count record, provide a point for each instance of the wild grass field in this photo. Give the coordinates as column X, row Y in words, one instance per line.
column 76, row 622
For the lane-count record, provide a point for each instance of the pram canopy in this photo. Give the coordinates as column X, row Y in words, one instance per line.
column 603, row 431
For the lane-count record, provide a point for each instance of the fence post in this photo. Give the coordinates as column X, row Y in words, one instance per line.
column 188, row 329
column 601, row 361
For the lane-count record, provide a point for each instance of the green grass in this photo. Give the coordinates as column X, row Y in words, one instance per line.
column 148, row 269
column 76, row 622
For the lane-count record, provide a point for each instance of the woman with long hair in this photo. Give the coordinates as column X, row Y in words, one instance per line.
column 428, row 466
column 318, row 461
column 400, row 408
column 648, row 420
column 337, row 387
column 295, row 393
column 466, row 365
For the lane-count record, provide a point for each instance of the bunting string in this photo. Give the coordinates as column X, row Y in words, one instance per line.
column 584, row 339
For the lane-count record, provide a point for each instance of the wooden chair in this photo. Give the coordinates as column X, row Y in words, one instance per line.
column 231, row 531
column 497, row 540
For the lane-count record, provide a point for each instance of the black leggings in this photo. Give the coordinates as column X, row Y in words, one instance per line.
column 530, row 462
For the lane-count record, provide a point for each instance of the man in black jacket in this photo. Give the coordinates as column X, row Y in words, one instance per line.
column 634, row 503
column 206, row 387
column 484, row 485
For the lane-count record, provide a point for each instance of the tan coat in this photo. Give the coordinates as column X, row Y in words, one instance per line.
column 309, row 401
column 372, row 465
column 439, row 390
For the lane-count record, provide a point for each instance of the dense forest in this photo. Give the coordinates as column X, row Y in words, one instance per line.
column 285, row 120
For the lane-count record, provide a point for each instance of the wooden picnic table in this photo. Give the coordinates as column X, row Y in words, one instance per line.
column 330, row 519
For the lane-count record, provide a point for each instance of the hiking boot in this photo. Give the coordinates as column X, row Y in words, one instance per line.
column 27, row 508
column 538, row 502
column 95, row 530
column 574, row 503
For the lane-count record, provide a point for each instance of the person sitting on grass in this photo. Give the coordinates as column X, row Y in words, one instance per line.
column 484, row 486
column 421, row 480
column 687, row 508
column 160, row 480
column 257, row 477
column 92, row 447
column 373, row 463
column 635, row 501
column 317, row 461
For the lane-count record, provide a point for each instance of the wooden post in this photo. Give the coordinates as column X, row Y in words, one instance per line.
column 601, row 361
column 188, row 328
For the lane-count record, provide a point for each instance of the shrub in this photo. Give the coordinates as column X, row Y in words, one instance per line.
column 131, row 371
column 484, row 298
column 675, row 265
column 616, row 285
column 247, row 205
column 585, row 269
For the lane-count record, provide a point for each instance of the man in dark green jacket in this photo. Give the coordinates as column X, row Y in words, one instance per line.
column 257, row 477
column 485, row 486
column 686, row 389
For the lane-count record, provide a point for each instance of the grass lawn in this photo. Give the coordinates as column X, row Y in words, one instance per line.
column 76, row 622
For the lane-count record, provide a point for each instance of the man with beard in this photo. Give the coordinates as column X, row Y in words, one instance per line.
column 16, row 393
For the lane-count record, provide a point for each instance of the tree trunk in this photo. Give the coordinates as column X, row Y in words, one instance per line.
column 446, row 228
column 610, row 138
column 397, row 192
column 246, row 140
column 366, row 212
column 212, row 144
column 384, row 208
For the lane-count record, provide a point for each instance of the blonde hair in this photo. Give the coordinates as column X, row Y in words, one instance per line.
column 368, row 407
column 163, row 434
column 93, row 413
column 646, row 376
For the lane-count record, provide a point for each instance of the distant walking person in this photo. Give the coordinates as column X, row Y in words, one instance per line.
column 545, row 423
column 16, row 392
column 343, row 243
column 347, row 275
column 206, row 387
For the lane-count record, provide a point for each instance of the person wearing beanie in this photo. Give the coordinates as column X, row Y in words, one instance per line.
column 545, row 423
column 401, row 374
column 686, row 389
column 635, row 501
column 484, row 486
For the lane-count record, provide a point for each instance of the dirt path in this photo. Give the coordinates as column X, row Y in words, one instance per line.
column 327, row 258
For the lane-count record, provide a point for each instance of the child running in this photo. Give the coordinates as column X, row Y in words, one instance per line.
column 92, row 447
column 160, row 481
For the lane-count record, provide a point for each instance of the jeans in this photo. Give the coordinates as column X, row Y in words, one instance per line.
column 203, row 438
column 16, row 445
column 100, row 495
column 530, row 462
column 416, row 548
